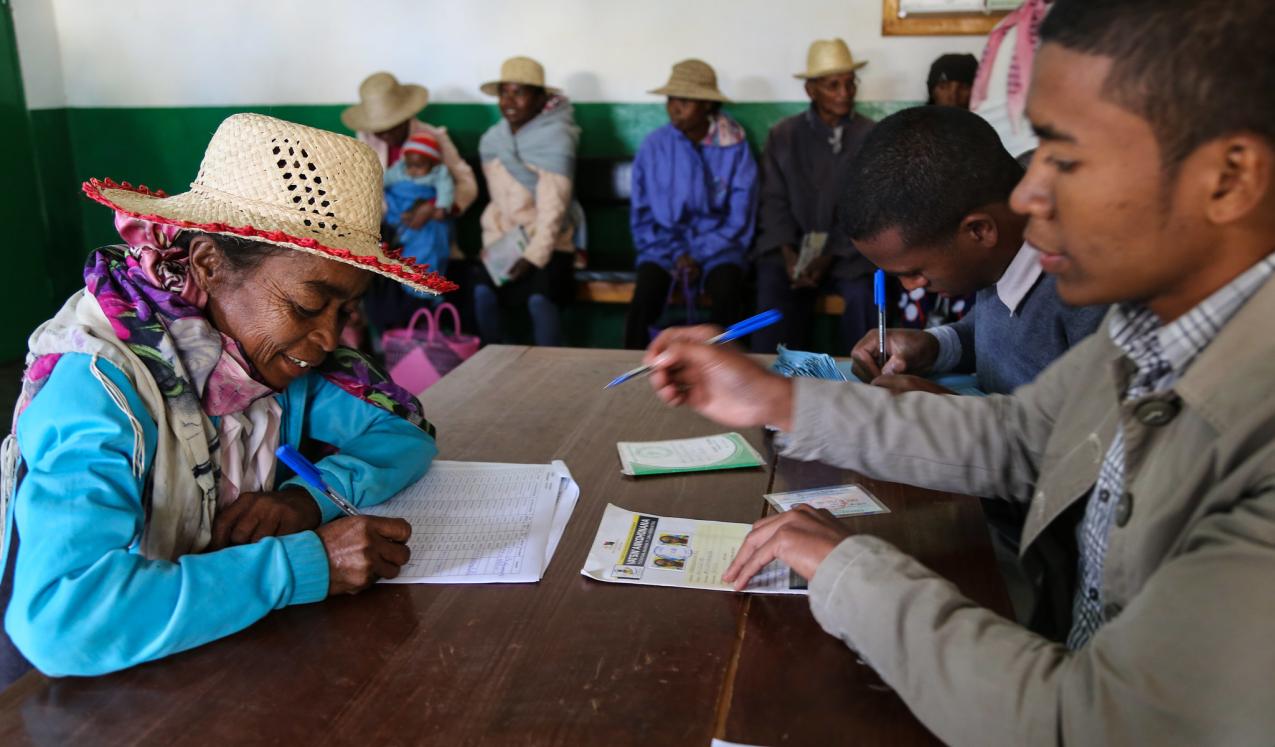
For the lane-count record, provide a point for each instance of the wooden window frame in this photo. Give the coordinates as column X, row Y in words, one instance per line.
column 936, row 24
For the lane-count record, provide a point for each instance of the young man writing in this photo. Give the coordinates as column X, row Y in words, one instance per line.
column 928, row 201
column 1146, row 455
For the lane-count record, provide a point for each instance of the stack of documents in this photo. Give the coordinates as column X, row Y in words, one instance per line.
column 727, row 451
column 792, row 363
column 632, row 548
column 481, row 522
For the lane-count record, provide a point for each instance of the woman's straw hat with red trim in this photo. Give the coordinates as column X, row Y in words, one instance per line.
column 286, row 184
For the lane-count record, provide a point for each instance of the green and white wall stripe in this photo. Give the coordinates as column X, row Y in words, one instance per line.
column 132, row 89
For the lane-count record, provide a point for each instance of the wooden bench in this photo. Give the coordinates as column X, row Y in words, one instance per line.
column 594, row 287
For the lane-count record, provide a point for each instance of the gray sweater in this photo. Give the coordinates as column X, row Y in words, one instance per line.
column 1012, row 349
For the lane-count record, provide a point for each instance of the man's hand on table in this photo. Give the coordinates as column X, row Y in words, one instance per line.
column 907, row 350
column 362, row 549
column 900, row 383
column 264, row 514
column 717, row 381
column 802, row 538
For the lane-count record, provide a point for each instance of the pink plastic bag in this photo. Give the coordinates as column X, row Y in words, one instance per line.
column 417, row 358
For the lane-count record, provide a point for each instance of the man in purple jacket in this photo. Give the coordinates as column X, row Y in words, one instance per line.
column 693, row 194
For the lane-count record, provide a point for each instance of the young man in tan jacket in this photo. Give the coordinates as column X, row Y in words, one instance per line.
column 1145, row 456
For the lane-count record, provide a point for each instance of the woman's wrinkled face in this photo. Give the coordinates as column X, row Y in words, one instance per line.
column 287, row 312
column 519, row 103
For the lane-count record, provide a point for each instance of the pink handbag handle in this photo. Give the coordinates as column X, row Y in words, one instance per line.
column 433, row 323
column 437, row 319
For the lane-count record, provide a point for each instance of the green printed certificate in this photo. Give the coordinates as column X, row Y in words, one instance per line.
column 727, row 451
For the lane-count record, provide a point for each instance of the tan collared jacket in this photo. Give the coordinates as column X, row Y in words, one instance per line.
column 1187, row 655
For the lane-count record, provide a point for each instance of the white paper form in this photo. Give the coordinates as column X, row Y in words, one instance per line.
column 477, row 522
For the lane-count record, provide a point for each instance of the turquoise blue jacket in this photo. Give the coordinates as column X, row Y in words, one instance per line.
column 84, row 600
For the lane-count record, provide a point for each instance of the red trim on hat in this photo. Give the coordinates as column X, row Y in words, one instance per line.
column 405, row 271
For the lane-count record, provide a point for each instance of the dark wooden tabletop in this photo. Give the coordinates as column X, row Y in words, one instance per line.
column 566, row 661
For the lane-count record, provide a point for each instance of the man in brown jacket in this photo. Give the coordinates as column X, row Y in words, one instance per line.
column 1145, row 456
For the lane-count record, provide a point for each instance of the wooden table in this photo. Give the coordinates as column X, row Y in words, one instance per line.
column 566, row 661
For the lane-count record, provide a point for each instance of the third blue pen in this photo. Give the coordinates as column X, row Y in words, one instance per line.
column 878, row 295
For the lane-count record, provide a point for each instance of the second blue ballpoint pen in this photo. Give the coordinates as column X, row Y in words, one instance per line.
column 733, row 332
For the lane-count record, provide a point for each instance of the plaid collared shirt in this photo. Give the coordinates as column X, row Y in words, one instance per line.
column 1161, row 353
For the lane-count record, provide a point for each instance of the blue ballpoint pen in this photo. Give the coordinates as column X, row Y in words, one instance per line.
column 308, row 472
column 878, row 295
column 734, row 332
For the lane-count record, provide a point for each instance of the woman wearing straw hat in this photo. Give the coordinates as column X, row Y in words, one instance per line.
column 384, row 119
column 798, row 251
column 529, row 162
column 149, row 515
column 694, row 189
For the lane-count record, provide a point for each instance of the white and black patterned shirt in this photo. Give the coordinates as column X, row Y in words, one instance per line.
column 1161, row 353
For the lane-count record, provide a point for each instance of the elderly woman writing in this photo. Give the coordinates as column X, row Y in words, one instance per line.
column 148, row 513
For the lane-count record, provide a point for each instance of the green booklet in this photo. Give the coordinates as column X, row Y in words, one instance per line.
column 727, row 451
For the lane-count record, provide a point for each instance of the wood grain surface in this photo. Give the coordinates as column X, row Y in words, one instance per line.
column 567, row 661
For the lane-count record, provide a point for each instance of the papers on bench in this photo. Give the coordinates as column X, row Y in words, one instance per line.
column 501, row 255
column 727, row 451
column 482, row 522
column 632, row 548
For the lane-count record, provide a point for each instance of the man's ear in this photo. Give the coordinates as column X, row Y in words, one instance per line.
column 207, row 265
column 980, row 229
column 1238, row 172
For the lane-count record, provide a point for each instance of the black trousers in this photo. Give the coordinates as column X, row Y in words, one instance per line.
column 724, row 284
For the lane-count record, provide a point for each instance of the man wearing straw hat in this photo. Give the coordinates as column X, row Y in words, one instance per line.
column 529, row 162
column 694, row 187
column 798, row 252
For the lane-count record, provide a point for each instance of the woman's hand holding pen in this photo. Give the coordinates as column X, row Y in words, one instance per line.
column 717, row 381
column 362, row 549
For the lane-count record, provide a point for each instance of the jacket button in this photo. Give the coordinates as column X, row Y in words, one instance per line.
column 1124, row 509
column 1156, row 412
column 1110, row 610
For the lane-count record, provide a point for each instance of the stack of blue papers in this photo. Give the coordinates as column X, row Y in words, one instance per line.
column 801, row 363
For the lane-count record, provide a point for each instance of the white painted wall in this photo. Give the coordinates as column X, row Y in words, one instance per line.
column 209, row 52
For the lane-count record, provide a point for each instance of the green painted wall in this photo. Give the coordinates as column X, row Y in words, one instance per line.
column 162, row 147
column 25, row 280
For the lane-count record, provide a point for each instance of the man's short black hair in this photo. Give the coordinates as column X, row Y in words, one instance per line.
column 1196, row 70
column 922, row 170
